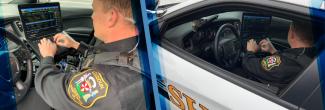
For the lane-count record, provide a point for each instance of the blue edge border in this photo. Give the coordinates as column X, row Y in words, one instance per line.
column 149, row 65
column 7, row 94
column 319, row 35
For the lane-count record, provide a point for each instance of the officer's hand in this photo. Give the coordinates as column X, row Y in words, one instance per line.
column 65, row 41
column 47, row 48
column 252, row 46
column 266, row 46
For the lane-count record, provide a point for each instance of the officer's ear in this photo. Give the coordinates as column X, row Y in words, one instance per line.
column 291, row 32
column 112, row 17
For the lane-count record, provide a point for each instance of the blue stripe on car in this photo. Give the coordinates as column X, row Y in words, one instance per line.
column 319, row 35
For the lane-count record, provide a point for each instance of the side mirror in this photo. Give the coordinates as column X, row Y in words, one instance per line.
column 159, row 13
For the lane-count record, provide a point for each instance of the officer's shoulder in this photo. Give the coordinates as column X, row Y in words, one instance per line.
column 85, row 88
column 117, row 69
column 270, row 62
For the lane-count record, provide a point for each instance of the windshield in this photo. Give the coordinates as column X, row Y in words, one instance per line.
column 5, row 1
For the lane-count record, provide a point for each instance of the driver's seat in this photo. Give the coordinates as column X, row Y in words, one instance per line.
column 32, row 99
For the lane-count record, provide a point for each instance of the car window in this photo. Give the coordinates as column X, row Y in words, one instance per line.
column 198, row 37
column 5, row 1
column 69, row 1
column 85, row 1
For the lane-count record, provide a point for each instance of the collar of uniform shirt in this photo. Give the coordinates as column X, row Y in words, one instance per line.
column 309, row 51
column 124, row 45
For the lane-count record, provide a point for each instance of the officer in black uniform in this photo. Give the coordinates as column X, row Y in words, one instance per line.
column 281, row 67
column 110, row 78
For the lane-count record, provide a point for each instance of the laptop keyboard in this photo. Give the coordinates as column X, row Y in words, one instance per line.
column 49, row 36
column 34, row 43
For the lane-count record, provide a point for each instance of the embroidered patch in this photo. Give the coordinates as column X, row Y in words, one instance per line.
column 87, row 87
column 270, row 62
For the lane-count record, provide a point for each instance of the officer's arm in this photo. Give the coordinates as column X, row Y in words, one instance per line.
column 83, row 47
column 272, row 68
column 255, row 66
column 50, row 84
column 251, row 63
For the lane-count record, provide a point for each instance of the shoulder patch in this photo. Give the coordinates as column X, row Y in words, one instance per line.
column 86, row 87
column 270, row 62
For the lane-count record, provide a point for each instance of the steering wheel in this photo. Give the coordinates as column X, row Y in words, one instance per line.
column 227, row 46
column 20, row 62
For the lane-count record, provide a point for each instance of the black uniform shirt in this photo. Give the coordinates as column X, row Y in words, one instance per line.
column 101, row 87
column 281, row 68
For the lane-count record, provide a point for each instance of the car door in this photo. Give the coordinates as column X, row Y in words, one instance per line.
column 188, row 82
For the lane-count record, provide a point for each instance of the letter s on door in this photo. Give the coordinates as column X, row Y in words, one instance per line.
column 176, row 97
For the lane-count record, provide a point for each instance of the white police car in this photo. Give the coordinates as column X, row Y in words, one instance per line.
column 189, row 76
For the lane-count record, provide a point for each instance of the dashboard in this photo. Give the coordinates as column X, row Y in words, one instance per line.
column 11, row 45
column 202, row 39
column 14, row 27
column 249, row 25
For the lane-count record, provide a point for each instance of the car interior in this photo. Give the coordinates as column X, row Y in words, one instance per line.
column 220, row 39
column 21, row 30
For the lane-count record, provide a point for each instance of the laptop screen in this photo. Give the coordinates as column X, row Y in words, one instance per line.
column 40, row 20
column 255, row 25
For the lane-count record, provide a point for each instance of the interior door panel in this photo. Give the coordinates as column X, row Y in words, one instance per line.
column 78, row 28
column 77, row 23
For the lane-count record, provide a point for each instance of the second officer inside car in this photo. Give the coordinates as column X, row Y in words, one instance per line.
column 281, row 67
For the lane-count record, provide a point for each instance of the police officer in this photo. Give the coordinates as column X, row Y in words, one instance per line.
column 281, row 67
column 110, row 78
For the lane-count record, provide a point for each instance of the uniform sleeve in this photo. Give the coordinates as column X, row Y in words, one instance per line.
column 251, row 63
column 271, row 68
column 83, row 47
column 50, row 85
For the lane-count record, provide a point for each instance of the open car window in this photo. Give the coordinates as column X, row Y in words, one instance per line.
column 198, row 37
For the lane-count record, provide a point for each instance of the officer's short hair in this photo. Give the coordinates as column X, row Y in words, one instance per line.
column 123, row 6
column 304, row 32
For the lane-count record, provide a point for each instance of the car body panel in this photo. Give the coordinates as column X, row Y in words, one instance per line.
column 205, row 88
